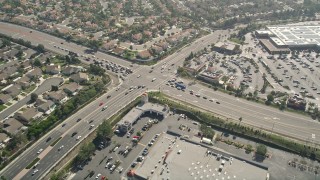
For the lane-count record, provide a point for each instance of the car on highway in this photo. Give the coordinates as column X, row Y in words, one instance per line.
column 138, row 76
column 78, row 138
column 74, row 133
column 104, row 108
column 153, row 79
column 91, row 126
column 35, row 171
column 211, row 100
column 64, row 124
column 40, row 150
column 91, row 121
column 101, row 104
column 79, row 119
column 61, row 147
column 218, row 102
column 109, row 96
column 49, row 138
column 198, row 95
column 35, row 166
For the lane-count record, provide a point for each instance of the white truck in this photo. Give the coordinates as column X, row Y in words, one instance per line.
column 206, row 141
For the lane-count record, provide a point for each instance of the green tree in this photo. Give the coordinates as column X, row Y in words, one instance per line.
column 104, row 131
column 40, row 48
column 37, row 63
column 270, row 98
column 34, row 97
column 261, row 150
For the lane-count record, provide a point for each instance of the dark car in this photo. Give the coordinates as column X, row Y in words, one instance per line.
column 108, row 96
column 217, row 102
column 78, row 119
column 74, row 133
column 90, row 121
column 49, row 138
column 63, row 125
column 131, row 131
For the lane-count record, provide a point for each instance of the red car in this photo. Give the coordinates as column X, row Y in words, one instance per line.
column 103, row 177
column 101, row 104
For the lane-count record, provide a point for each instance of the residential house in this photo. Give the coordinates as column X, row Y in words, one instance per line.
column 53, row 69
column 10, row 71
column 39, row 101
column 43, row 57
column 13, row 90
column 79, row 77
column 58, row 97
column 109, row 45
column 34, row 73
column 172, row 40
column 70, row 70
column 71, row 88
column 26, row 65
column 156, row 49
column 27, row 115
column 144, row 54
column 147, row 33
column 12, row 53
column 4, row 98
column 24, row 82
column 136, row 37
column 119, row 51
column 12, row 126
column 164, row 45
column 4, row 139
column 47, row 107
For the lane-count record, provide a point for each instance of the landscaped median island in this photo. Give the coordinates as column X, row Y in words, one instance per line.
column 55, row 142
column 32, row 163
column 251, row 133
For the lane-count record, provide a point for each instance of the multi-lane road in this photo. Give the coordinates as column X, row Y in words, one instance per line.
column 293, row 125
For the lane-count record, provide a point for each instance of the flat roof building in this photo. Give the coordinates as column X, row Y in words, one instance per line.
column 174, row 158
column 292, row 36
column 134, row 114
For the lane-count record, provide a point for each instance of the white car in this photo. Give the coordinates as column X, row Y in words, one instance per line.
column 35, row 171
column 112, row 168
column 60, row 147
column 98, row 175
column 78, row 138
column 154, row 79
column 138, row 76
column 40, row 150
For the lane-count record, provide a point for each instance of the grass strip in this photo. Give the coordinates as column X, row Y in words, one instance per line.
column 55, row 142
column 32, row 163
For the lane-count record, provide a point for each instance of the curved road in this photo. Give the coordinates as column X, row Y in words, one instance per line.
column 45, row 86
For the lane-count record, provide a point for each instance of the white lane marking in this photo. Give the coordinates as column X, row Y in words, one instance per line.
column 195, row 101
column 179, row 95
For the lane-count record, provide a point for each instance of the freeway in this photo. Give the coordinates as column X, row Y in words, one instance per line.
column 43, row 87
column 261, row 116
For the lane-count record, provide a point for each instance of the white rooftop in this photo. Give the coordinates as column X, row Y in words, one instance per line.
column 295, row 35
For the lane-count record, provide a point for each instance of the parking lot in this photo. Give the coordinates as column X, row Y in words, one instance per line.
column 111, row 154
